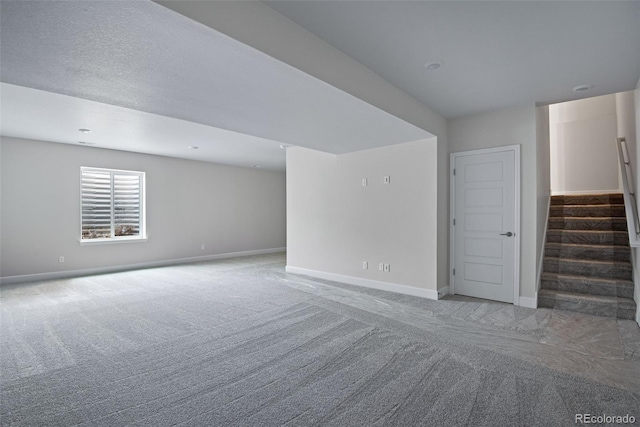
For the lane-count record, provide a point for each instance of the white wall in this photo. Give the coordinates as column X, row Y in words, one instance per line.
column 261, row 27
column 509, row 127
column 626, row 122
column 334, row 223
column 583, row 152
column 189, row 203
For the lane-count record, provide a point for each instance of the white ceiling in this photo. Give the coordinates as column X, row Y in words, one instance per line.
column 150, row 80
column 495, row 54
column 47, row 116
column 147, row 79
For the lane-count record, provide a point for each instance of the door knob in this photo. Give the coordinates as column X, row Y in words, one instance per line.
column 508, row 234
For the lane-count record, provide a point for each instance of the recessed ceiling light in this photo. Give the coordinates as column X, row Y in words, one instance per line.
column 86, row 143
column 582, row 88
column 193, row 147
column 433, row 65
column 85, row 130
column 284, row 146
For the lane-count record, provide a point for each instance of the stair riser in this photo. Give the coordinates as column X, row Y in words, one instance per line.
column 609, row 224
column 604, row 253
column 606, row 310
column 563, row 266
column 586, row 238
column 589, row 287
column 599, row 199
column 587, row 211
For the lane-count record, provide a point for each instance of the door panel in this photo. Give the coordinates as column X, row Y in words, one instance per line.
column 485, row 210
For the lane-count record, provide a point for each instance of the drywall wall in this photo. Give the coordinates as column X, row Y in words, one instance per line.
column 261, row 27
column 543, row 184
column 626, row 121
column 334, row 223
column 583, row 151
column 510, row 127
column 189, row 203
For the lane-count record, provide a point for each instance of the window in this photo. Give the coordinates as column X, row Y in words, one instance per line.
column 112, row 205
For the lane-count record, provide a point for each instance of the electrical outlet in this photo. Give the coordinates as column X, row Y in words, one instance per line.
column 381, row 267
column 364, row 182
column 387, row 268
column 387, row 180
column 202, row 246
column 61, row 259
column 365, row 265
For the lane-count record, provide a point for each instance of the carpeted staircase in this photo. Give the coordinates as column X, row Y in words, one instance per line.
column 587, row 264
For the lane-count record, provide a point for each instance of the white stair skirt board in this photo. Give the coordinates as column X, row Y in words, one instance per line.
column 528, row 302
column 367, row 283
column 117, row 268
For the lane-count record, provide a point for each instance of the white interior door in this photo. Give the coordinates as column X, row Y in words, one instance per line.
column 485, row 231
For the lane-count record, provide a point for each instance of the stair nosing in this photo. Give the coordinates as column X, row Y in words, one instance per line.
column 585, row 245
column 589, row 261
column 597, row 298
column 588, row 206
column 611, row 281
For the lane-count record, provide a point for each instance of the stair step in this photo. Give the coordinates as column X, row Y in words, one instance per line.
column 588, row 252
column 588, row 199
column 588, row 237
column 621, row 308
column 587, row 285
column 587, row 211
column 591, row 268
column 588, row 223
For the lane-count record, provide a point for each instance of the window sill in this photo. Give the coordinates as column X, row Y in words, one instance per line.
column 91, row 242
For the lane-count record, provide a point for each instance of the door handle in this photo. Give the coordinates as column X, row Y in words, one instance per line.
column 508, row 234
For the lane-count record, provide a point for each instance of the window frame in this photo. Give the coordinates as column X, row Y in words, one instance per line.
column 142, row 237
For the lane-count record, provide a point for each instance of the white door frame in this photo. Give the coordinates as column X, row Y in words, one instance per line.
column 452, row 193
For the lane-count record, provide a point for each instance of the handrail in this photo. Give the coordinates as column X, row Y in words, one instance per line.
column 630, row 197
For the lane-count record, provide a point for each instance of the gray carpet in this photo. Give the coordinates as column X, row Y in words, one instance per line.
column 241, row 343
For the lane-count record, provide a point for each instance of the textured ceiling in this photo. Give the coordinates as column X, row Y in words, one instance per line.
column 141, row 56
column 495, row 54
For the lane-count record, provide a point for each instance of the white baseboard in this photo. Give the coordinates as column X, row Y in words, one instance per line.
column 581, row 192
column 367, row 283
column 118, row 268
column 528, row 302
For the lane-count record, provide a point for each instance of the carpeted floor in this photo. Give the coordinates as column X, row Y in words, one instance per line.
column 241, row 343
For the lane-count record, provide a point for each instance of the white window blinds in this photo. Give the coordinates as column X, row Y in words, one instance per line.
column 112, row 204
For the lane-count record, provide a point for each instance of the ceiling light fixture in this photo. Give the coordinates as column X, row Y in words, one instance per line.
column 85, row 130
column 284, row 146
column 433, row 65
column 256, row 166
column 86, row 143
column 193, row 147
column 582, row 88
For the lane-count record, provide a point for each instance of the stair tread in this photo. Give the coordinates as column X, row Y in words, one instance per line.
column 586, row 246
column 599, row 205
column 588, row 231
column 585, row 297
column 589, row 261
column 590, row 218
column 613, row 282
